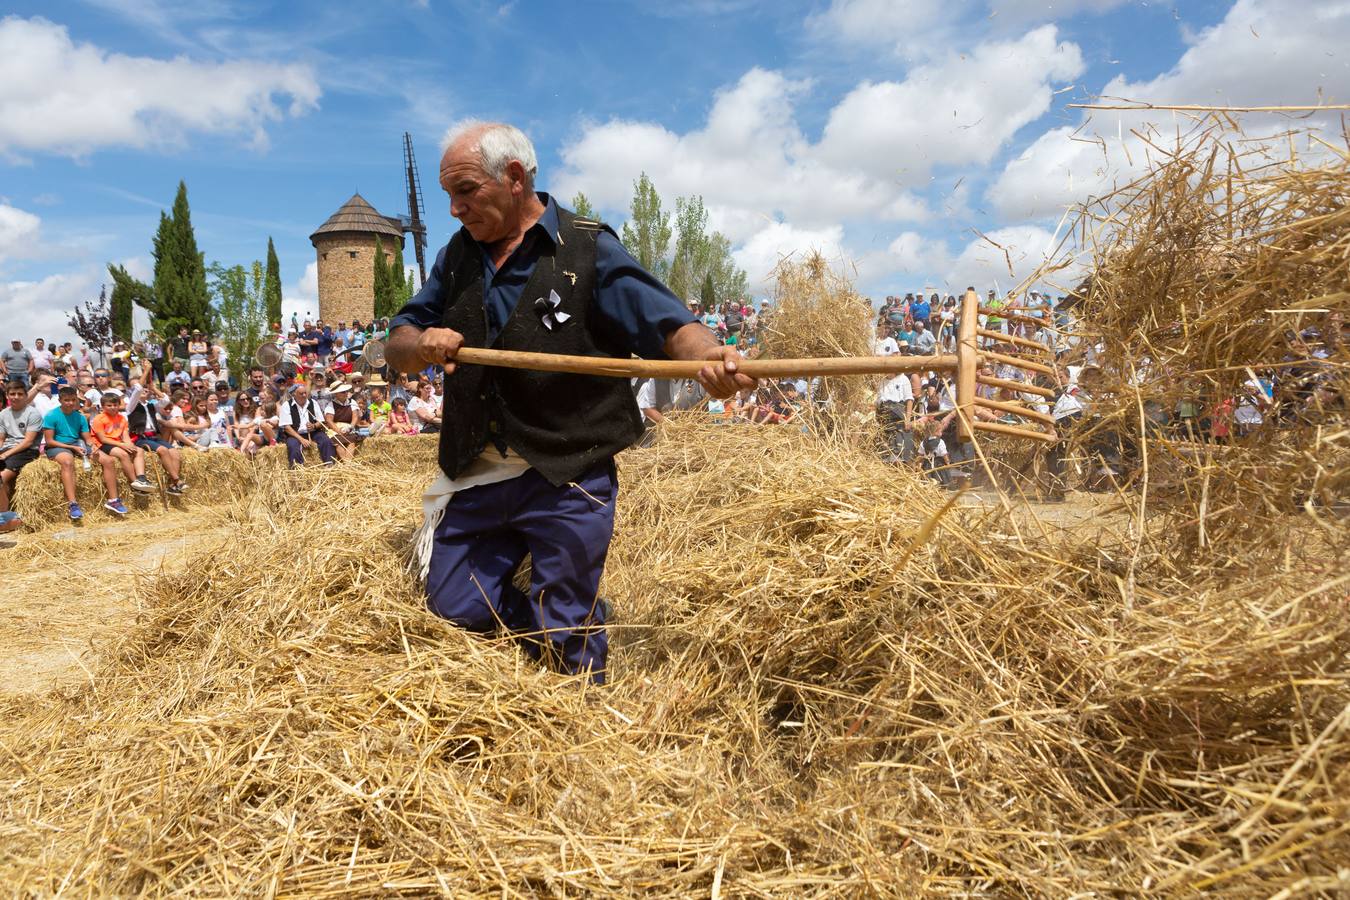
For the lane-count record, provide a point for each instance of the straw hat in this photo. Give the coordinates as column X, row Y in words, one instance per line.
column 340, row 389
column 377, row 381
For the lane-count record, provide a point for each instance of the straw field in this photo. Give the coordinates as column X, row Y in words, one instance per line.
column 827, row 680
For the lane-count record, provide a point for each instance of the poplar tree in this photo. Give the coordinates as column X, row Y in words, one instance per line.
column 646, row 234
column 582, row 207
column 272, row 285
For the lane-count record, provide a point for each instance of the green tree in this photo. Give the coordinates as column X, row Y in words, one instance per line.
column 708, row 292
column 240, row 307
column 388, row 289
column 272, row 285
column 127, row 292
column 647, row 232
column 690, row 260
column 402, row 278
column 582, row 207
column 180, row 292
column 729, row 280
column 702, row 263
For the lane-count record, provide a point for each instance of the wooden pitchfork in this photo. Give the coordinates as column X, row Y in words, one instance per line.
column 966, row 363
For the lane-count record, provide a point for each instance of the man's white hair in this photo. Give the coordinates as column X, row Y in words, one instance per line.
column 498, row 144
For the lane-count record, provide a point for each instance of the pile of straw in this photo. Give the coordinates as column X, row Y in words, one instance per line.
column 826, row 680
column 1204, row 270
column 817, row 313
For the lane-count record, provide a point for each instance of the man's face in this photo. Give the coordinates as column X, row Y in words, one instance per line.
column 182, row 332
column 112, row 407
column 101, row 378
column 18, row 344
column 485, row 205
column 69, row 404
column 39, row 343
column 177, row 366
column 257, row 379
column 18, row 398
column 198, row 387
column 301, row 396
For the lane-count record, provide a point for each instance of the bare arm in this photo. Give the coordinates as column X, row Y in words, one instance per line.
column 411, row 349
column 720, row 378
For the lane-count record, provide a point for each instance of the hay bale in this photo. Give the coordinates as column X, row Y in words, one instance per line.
column 827, row 681
column 215, row 478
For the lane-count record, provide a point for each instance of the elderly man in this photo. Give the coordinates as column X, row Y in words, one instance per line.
column 527, row 457
column 304, row 421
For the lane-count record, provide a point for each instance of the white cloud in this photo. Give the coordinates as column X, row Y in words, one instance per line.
column 772, row 190
column 926, row 29
column 958, row 112
column 60, row 96
column 302, row 299
column 39, row 309
column 759, row 255
column 1263, row 53
column 881, row 22
column 18, row 232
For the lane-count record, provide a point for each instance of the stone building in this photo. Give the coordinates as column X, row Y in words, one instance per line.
column 345, row 246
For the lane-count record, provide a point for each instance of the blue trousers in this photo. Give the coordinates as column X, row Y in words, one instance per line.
column 296, row 453
column 484, row 536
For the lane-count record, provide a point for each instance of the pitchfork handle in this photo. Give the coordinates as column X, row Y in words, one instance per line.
column 682, row 368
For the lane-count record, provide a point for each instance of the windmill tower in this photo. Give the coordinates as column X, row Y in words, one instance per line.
column 415, row 222
column 345, row 246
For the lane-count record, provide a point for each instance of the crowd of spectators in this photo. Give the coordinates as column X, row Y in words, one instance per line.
column 917, row 410
column 166, row 398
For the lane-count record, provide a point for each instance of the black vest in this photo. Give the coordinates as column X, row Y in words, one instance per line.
column 144, row 411
column 315, row 420
column 561, row 424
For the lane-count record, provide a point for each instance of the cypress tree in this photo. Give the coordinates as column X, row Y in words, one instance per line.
column 383, row 281
column 403, row 283
column 272, row 285
column 181, row 297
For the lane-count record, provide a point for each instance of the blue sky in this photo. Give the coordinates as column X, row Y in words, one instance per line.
column 887, row 134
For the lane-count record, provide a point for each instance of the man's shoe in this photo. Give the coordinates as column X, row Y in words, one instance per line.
column 9, row 521
column 116, row 507
column 143, row 485
column 75, row 513
column 178, row 488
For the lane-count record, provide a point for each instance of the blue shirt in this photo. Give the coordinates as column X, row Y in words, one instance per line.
column 920, row 309
column 66, row 428
column 629, row 303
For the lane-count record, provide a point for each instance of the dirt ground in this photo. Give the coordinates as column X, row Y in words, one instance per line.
column 69, row 590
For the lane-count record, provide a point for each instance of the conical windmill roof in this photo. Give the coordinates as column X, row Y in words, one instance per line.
column 359, row 216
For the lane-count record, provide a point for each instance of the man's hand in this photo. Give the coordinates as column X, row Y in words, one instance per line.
column 721, row 378
column 306, row 443
column 438, row 346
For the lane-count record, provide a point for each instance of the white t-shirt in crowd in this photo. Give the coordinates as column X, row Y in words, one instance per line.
column 417, row 404
column 16, row 426
column 887, row 347
column 897, row 390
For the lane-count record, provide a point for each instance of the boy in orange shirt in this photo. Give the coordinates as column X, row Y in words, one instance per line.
column 113, row 445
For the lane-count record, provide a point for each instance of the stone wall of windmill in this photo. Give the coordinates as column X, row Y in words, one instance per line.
column 344, row 246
